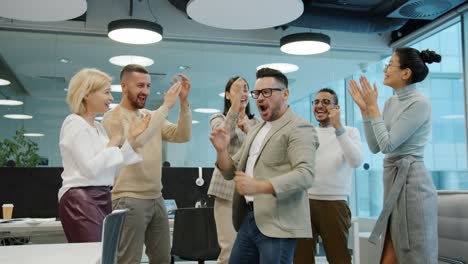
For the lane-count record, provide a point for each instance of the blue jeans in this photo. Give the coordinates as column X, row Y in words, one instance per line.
column 251, row 246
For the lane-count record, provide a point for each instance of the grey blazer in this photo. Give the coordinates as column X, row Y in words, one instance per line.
column 286, row 159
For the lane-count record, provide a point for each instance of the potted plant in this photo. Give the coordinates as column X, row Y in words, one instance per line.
column 21, row 150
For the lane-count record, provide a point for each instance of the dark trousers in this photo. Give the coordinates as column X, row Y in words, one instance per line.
column 331, row 221
column 82, row 212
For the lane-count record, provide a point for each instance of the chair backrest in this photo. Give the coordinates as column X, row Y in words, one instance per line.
column 112, row 228
column 194, row 236
column 453, row 226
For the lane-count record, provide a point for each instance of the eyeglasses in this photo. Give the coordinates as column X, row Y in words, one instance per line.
column 390, row 65
column 323, row 101
column 265, row 92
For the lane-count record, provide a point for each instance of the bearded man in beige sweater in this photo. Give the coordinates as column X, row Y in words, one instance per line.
column 138, row 187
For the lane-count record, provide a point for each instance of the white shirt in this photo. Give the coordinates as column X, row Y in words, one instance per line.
column 86, row 159
column 254, row 152
column 335, row 159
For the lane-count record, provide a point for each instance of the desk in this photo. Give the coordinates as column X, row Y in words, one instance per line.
column 21, row 228
column 74, row 253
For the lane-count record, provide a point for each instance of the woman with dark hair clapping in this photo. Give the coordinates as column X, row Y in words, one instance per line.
column 408, row 221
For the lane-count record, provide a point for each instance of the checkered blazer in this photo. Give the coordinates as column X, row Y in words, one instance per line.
column 220, row 187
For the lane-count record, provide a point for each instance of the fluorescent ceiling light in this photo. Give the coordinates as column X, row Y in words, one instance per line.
column 222, row 94
column 206, row 110
column 195, row 121
column 18, row 116
column 305, row 43
column 124, row 60
column 135, row 31
column 244, row 14
column 453, row 117
column 282, row 67
column 10, row 102
column 4, row 82
column 113, row 105
column 33, row 134
column 116, row 88
column 65, row 60
column 98, row 118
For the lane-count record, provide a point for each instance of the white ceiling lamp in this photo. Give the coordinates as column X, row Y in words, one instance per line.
column 223, row 93
column 282, row 67
column 44, row 10
column 206, row 110
column 98, row 118
column 10, row 102
column 135, row 31
column 195, row 121
column 113, row 105
column 33, row 134
column 116, row 88
column 4, row 82
column 244, row 14
column 124, row 60
column 305, row 43
column 18, row 116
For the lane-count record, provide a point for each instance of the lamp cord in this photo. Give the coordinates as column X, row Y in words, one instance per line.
column 6, row 97
column 131, row 8
column 151, row 11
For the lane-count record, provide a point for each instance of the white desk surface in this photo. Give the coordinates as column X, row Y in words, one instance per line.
column 29, row 228
column 73, row 253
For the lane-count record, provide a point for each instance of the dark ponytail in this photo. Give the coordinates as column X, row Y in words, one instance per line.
column 416, row 62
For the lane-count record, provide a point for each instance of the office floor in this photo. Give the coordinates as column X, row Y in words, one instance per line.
column 318, row 260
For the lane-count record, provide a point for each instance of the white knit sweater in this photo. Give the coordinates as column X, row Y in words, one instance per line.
column 335, row 159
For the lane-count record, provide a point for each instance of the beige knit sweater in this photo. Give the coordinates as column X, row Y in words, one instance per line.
column 143, row 180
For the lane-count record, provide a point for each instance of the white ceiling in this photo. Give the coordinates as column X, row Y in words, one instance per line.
column 33, row 51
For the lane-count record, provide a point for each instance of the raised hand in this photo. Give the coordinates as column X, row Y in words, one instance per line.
column 368, row 94
column 185, row 91
column 355, row 92
column 170, row 97
column 334, row 116
column 116, row 127
column 241, row 122
column 220, row 138
column 136, row 128
column 235, row 94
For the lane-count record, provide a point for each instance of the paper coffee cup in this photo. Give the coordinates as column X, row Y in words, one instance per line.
column 7, row 211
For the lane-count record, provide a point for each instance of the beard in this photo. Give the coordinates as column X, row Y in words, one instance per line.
column 134, row 101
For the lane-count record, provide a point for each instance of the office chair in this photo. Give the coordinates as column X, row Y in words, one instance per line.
column 194, row 236
column 453, row 226
column 112, row 228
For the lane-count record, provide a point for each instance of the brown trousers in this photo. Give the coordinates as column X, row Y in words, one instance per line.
column 331, row 221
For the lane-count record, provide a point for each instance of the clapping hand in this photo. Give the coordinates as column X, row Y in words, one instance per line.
column 116, row 127
column 170, row 97
column 136, row 128
column 365, row 97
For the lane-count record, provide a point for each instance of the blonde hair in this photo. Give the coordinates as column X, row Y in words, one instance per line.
column 84, row 82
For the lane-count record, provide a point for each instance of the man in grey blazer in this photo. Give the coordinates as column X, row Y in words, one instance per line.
column 272, row 172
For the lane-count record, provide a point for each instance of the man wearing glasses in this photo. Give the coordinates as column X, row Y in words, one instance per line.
column 272, row 172
column 339, row 152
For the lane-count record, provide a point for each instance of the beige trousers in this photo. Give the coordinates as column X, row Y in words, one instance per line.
column 224, row 228
column 147, row 223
